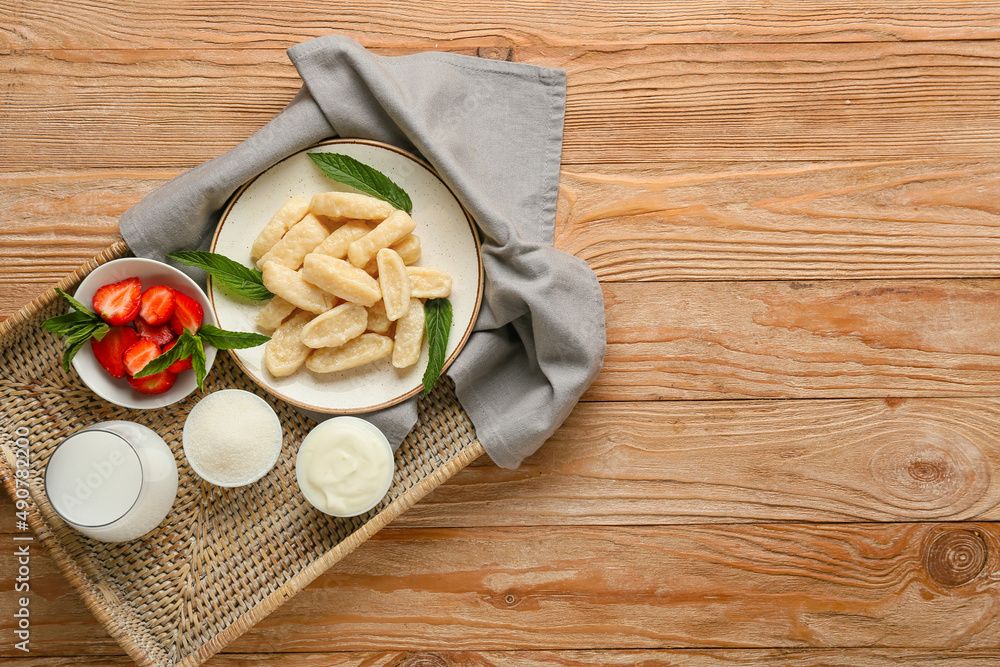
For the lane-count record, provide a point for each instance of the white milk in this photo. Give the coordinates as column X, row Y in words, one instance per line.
column 344, row 466
column 113, row 481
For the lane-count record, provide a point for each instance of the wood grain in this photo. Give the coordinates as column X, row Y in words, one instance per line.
column 753, row 586
column 741, row 102
column 659, row 463
column 673, row 657
column 749, row 586
column 650, row 463
column 711, row 149
column 705, row 221
column 828, row 339
column 667, row 221
column 433, row 23
column 67, row 109
column 56, row 220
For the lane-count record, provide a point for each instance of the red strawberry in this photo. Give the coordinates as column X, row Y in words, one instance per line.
column 161, row 335
column 187, row 314
column 180, row 365
column 139, row 354
column 157, row 304
column 118, row 303
column 109, row 350
column 153, row 384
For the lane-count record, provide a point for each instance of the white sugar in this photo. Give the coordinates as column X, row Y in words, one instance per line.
column 232, row 438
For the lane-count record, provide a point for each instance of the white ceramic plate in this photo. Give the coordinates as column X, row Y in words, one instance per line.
column 448, row 241
column 151, row 273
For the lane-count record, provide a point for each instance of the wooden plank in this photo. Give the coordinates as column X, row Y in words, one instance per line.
column 432, row 23
column 807, row 102
column 754, row 586
column 666, row 221
column 773, row 221
column 674, row 657
column 657, row 463
column 136, row 109
column 766, row 586
column 877, row 101
column 54, row 220
column 834, row 339
column 829, row 339
column 59, row 622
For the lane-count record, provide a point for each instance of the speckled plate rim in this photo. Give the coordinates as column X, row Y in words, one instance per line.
column 261, row 382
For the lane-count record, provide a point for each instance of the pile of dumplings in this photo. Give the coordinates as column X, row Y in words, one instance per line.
column 346, row 292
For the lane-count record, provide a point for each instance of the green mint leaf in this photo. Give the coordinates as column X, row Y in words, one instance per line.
column 345, row 169
column 76, row 305
column 64, row 325
column 437, row 320
column 198, row 360
column 78, row 326
column 78, row 338
column 230, row 340
column 161, row 363
column 231, row 274
column 73, row 346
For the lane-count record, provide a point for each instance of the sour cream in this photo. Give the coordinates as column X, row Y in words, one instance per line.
column 344, row 466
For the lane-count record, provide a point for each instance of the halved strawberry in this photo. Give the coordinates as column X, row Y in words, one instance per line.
column 161, row 335
column 109, row 350
column 157, row 304
column 180, row 365
column 118, row 303
column 153, row 384
column 187, row 314
column 139, row 354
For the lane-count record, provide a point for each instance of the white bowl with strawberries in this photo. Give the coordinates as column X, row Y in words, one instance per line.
column 147, row 306
column 141, row 334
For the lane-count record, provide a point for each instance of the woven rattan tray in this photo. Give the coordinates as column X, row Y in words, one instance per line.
column 223, row 559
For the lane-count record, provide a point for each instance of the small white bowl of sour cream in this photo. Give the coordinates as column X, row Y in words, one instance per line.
column 344, row 466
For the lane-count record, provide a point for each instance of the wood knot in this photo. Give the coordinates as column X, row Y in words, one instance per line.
column 929, row 472
column 919, row 472
column 496, row 52
column 955, row 557
column 423, row 660
column 504, row 600
column 508, row 600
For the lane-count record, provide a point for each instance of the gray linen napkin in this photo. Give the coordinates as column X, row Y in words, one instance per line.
column 493, row 132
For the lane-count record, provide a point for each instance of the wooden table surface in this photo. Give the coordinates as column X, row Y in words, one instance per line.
column 791, row 455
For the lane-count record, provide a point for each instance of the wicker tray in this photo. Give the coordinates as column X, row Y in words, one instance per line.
column 223, row 559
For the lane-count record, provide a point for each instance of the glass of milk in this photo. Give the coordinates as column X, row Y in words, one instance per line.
column 114, row 481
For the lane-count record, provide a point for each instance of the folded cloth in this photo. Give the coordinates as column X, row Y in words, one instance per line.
column 493, row 132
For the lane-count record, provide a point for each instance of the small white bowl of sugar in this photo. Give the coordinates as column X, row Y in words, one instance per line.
column 232, row 438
